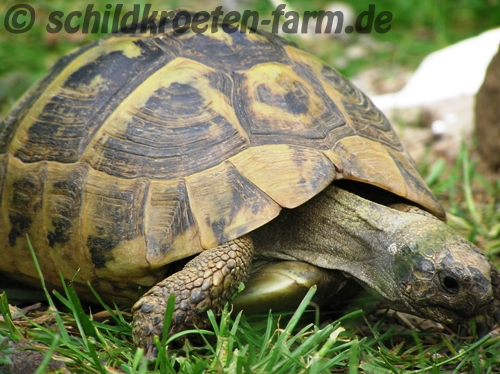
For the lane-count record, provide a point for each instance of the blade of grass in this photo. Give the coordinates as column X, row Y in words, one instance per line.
column 436, row 170
column 59, row 321
column 354, row 357
column 467, row 171
column 7, row 317
column 48, row 355
column 114, row 313
column 472, row 348
column 266, row 337
column 277, row 349
column 162, row 360
column 84, row 323
column 232, row 335
column 94, row 355
column 167, row 319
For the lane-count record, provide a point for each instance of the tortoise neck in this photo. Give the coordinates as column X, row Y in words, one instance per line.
column 339, row 230
column 349, row 225
column 336, row 222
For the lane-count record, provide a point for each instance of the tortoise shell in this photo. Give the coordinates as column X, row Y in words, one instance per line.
column 139, row 150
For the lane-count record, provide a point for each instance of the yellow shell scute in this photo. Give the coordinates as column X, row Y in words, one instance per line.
column 127, row 263
column 170, row 228
column 226, row 205
column 368, row 161
column 294, row 175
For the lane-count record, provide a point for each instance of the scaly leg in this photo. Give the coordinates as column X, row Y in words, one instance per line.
column 206, row 282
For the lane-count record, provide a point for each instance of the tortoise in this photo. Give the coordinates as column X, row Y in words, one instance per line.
column 186, row 163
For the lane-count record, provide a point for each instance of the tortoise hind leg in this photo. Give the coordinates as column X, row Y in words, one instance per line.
column 206, row 282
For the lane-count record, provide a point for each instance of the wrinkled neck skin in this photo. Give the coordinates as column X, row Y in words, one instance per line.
column 413, row 261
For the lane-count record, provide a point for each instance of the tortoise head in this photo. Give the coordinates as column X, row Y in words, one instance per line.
column 440, row 275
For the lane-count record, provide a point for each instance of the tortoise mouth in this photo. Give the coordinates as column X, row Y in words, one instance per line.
column 445, row 314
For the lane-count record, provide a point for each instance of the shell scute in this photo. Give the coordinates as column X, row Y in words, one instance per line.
column 171, row 229
column 117, row 209
column 178, row 122
column 226, row 205
column 277, row 105
column 71, row 107
column 230, row 52
column 295, row 175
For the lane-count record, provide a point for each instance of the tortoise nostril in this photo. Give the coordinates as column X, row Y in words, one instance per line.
column 451, row 284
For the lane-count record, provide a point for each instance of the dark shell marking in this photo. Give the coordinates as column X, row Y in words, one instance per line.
column 366, row 118
column 140, row 150
column 67, row 114
column 65, row 203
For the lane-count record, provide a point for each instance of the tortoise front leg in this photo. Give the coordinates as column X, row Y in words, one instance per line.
column 206, row 282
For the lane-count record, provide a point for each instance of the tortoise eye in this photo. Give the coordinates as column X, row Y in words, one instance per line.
column 450, row 284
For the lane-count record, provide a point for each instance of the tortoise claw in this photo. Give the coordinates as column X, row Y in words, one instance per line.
column 463, row 332
column 482, row 329
column 496, row 315
column 151, row 352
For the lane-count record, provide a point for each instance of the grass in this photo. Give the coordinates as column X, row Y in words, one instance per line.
column 472, row 202
column 258, row 346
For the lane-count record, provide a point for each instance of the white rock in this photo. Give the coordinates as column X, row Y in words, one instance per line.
column 457, row 70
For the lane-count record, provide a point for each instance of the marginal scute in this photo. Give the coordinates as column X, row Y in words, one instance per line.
column 4, row 161
column 371, row 162
column 416, row 186
column 63, row 201
column 24, row 192
column 226, row 205
column 22, row 203
column 367, row 161
column 171, row 230
column 295, row 174
column 115, row 211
